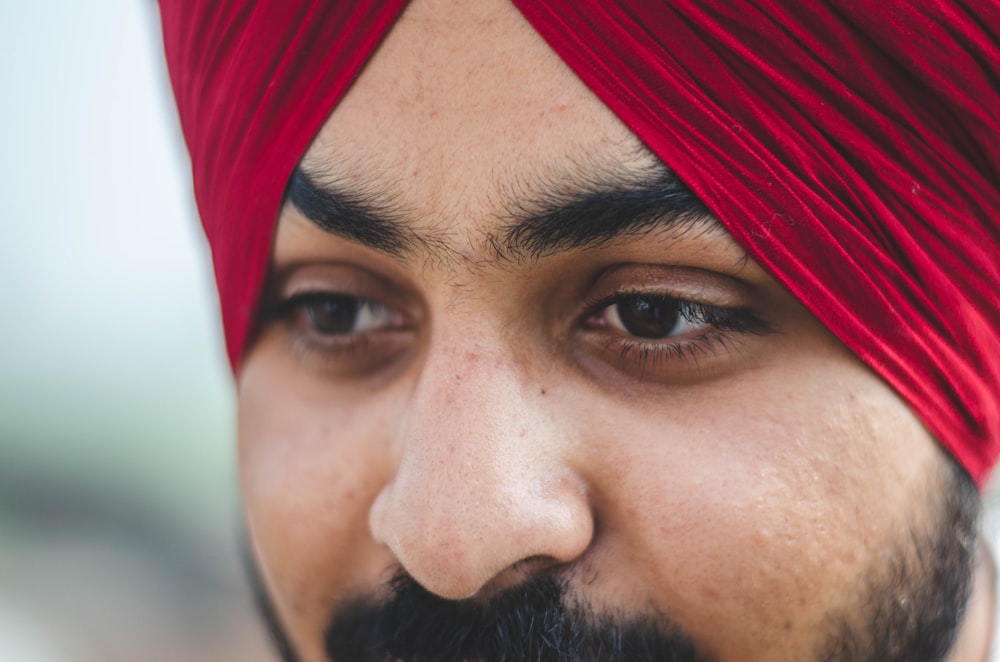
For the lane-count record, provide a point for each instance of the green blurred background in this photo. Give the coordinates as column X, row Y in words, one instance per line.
column 119, row 517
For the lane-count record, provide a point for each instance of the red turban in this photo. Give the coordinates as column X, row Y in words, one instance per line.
column 852, row 147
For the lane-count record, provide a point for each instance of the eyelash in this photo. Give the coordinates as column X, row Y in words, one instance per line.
column 316, row 344
column 644, row 358
column 640, row 356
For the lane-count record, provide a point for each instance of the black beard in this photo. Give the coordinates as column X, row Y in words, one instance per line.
column 908, row 611
column 913, row 607
column 533, row 621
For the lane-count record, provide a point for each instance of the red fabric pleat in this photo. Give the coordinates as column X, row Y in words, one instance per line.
column 254, row 82
column 850, row 146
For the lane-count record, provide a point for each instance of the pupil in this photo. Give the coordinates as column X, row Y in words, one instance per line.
column 649, row 317
column 333, row 315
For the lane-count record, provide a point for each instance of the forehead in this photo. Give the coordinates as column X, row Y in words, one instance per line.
column 462, row 102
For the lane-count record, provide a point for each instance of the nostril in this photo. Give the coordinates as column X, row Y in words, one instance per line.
column 476, row 501
column 518, row 573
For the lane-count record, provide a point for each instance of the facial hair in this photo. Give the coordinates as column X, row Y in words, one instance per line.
column 533, row 621
column 909, row 609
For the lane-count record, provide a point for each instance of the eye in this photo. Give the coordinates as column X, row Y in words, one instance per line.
column 341, row 314
column 651, row 317
column 337, row 334
column 657, row 337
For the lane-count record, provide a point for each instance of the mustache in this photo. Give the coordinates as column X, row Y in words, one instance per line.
column 534, row 622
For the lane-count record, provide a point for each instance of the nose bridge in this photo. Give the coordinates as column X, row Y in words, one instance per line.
column 482, row 481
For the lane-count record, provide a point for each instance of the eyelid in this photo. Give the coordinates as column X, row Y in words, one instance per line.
column 683, row 283
column 729, row 305
column 344, row 278
column 719, row 350
column 355, row 354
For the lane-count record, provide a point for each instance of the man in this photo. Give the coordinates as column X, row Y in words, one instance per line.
column 587, row 331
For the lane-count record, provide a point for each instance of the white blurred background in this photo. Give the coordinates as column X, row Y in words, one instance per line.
column 119, row 518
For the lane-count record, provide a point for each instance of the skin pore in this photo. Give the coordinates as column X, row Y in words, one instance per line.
column 910, row 612
column 504, row 358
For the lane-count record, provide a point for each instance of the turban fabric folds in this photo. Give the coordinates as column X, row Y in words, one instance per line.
column 853, row 148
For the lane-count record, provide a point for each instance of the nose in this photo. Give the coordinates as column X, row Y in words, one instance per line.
column 483, row 481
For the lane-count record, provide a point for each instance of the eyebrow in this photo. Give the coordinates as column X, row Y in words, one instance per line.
column 355, row 217
column 564, row 217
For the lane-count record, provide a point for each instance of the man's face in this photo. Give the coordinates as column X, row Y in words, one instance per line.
column 519, row 349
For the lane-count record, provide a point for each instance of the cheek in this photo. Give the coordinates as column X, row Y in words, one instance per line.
column 756, row 508
column 309, row 472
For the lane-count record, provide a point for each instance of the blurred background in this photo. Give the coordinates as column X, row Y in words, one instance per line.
column 119, row 518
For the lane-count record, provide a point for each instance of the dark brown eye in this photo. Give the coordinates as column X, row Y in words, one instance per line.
column 332, row 314
column 647, row 316
column 341, row 314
